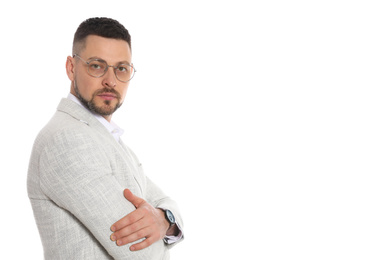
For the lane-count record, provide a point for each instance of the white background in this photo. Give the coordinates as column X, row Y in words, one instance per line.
column 250, row 114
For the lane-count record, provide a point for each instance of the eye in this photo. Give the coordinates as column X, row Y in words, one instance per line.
column 122, row 68
column 96, row 66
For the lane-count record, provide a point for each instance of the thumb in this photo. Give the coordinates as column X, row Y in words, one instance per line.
column 136, row 201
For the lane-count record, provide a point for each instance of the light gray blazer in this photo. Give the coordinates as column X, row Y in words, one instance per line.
column 77, row 174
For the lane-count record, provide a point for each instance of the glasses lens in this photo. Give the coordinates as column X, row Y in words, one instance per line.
column 96, row 68
column 124, row 72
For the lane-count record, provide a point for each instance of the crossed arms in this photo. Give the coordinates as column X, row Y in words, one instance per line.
column 116, row 207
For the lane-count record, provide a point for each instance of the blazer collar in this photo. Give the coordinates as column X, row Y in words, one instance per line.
column 83, row 115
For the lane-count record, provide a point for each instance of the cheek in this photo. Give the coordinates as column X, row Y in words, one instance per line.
column 123, row 92
column 87, row 87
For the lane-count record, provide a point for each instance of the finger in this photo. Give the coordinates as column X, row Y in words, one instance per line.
column 136, row 201
column 140, row 234
column 129, row 230
column 127, row 220
column 144, row 244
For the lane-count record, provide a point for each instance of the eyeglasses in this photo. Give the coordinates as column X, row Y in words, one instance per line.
column 97, row 68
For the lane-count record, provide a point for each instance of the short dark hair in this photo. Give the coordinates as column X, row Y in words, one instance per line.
column 100, row 26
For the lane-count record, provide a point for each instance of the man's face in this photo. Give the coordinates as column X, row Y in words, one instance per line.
column 106, row 94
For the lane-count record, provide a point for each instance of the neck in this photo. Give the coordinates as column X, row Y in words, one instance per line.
column 108, row 118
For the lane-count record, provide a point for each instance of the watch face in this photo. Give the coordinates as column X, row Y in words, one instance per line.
column 170, row 216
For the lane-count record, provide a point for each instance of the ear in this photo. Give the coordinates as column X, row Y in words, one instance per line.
column 70, row 68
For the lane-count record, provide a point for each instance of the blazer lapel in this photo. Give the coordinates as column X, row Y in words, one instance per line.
column 85, row 116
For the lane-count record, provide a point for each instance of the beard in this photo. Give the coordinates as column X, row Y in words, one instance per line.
column 106, row 109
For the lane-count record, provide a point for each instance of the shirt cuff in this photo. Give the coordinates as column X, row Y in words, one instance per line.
column 173, row 239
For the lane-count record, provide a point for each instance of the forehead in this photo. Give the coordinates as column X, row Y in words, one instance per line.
column 111, row 50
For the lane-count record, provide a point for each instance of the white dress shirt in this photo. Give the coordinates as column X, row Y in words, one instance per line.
column 117, row 132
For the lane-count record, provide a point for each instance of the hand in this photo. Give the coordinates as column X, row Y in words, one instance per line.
column 145, row 222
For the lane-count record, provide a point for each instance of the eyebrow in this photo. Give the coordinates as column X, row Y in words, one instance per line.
column 98, row 58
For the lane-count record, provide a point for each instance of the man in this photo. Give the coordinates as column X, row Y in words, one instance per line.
column 90, row 197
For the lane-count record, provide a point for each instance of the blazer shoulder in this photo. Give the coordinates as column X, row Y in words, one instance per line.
column 69, row 118
column 64, row 130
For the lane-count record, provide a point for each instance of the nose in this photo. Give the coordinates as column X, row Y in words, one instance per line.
column 109, row 78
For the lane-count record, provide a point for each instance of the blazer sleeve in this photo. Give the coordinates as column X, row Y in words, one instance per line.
column 77, row 175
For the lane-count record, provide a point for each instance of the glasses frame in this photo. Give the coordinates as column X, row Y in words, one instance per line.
column 106, row 68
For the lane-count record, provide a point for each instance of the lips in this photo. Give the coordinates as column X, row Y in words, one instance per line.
column 107, row 96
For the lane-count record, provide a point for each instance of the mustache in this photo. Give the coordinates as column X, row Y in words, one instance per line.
column 107, row 90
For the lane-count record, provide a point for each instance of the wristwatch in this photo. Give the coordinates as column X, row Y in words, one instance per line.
column 170, row 217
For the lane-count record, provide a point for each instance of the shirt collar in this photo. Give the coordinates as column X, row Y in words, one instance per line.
column 115, row 130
